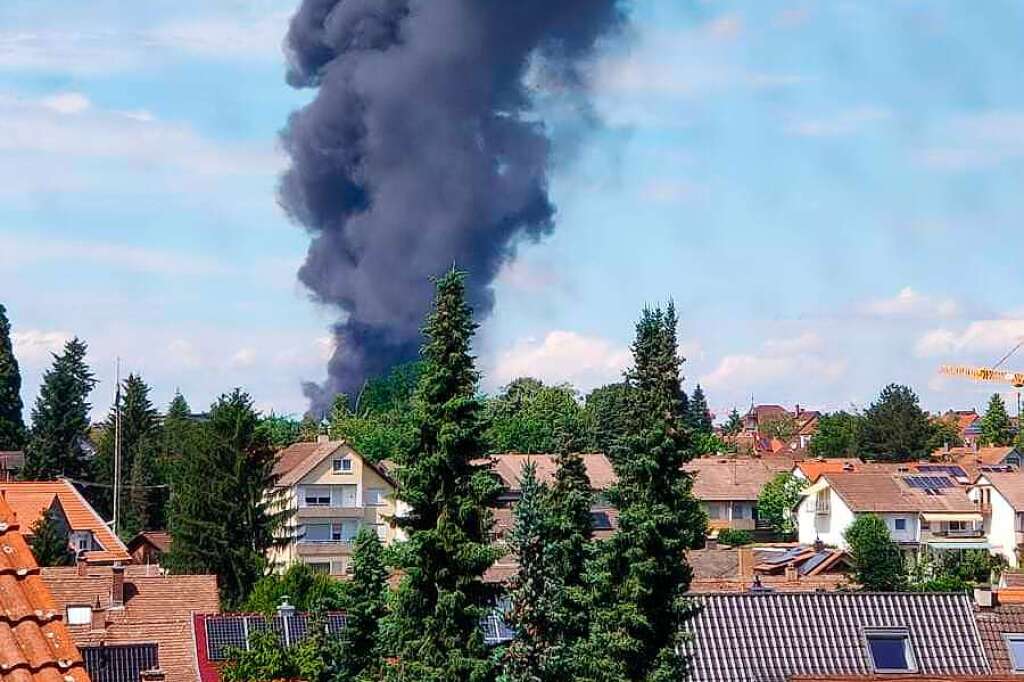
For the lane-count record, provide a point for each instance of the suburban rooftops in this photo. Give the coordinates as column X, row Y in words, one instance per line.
column 898, row 492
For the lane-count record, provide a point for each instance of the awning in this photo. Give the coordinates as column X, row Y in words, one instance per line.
column 964, row 516
column 980, row 544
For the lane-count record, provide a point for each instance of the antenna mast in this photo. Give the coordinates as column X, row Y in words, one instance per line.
column 117, row 444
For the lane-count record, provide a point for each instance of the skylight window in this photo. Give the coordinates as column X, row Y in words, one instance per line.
column 891, row 651
column 1015, row 645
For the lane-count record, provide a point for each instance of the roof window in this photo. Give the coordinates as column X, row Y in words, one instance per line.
column 890, row 651
column 1015, row 645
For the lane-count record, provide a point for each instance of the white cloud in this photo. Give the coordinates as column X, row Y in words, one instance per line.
column 33, row 347
column 847, row 122
column 243, row 357
column 724, row 27
column 227, row 37
column 909, row 303
column 528, row 276
column 23, row 250
column 584, row 361
column 66, row 102
column 981, row 336
column 779, row 360
column 976, row 141
column 43, row 131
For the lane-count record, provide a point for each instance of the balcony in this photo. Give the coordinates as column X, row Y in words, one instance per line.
column 315, row 548
column 328, row 512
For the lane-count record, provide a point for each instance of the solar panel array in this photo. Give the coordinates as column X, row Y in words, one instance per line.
column 496, row 630
column 119, row 662
column 930, row 482
column 786, row 556
column 950, row 469
column 225, row 633
column 814, row 561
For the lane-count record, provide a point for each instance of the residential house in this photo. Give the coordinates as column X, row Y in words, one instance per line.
column 149, row 546
column 35, row 643
column 11, row 464
column 1001, row 627
column 333, row 492
column 130, row 621
column 729, row 488
column 768, row 636
column 975, row 459
column 88, row 534
column 1000, row 496
column 779, row 568
column 920, row 510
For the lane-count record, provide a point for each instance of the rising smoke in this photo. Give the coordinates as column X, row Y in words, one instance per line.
column 422, row 149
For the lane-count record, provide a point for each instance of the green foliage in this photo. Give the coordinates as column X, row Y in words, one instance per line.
column 605, row 414
column 838, row 435
column 954, row 570
column 309, row 428
column 376, row 436
column 433, row 627
column 776, row 501
column 783, row 427
column 877, row 559
column 280, row 431
column 305, row 589
column 709, row 444
column 60, row 418
column 734, row 424
column 895, row 429
column 12, row 426
column 530, row 590
column 699, row 414
column 640, row 576
column 531, row 417
column 220, row 518
column 945, row 432
column 50, row 541
column 265, row 660
column 996, row 427
column 360, row 651
column 141, row 439
column 391, row 393
column 735, row 537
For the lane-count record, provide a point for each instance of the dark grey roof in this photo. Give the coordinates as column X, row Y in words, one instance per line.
column 764, row 637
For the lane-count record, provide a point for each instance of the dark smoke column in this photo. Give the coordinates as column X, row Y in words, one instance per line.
column 420, row 150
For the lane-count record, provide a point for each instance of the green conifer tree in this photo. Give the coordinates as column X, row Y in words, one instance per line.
column 532, row 587
column 641, row 575
column 734, row 424
column 221, row 518
column 12, row 426
column 700, row 415
column 60, row 418
column 50, row 542
column 359, row 655
column 996, row 426
column 434, row 625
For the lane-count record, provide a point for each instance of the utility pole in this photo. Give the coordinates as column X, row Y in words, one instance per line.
column 117, row 444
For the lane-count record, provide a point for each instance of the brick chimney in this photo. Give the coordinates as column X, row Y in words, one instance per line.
column 791, row 574
column 81, row 564
column 116, row 586
column 99, row 616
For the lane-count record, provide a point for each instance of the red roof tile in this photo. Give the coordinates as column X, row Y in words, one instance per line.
column 31, row 499
column 35, row 645
column 509, row 466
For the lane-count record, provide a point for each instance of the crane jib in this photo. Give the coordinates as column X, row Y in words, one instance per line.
column 984, row 374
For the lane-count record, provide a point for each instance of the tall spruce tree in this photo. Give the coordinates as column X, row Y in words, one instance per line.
column 996, row 427
column 60, row 418
column 894, row 427
column 434, row 624
column 140, row 426
column 12, row 426
column 700, row 415
column 221, row 518
column 641, row 575
column 532, row 587
column 734, row 424
column 359, row 654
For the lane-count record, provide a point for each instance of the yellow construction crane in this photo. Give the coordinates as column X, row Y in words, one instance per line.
column 1015, row 379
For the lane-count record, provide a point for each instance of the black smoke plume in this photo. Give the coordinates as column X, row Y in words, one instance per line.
column 422, row 149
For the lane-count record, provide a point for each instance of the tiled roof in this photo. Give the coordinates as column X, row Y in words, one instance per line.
column 717, row 479
column 157, row 609
column 35, row 645
column 993, row 623
column 969, row 455
column 813, row 468
column 298, row 459
column 508, row 466
column 31, row 499
column 770, row 637
column 159, row 539
column 1009, row 484
column 886, row 492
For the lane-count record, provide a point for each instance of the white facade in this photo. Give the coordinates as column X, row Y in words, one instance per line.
column 1002, row 523
column 822, row 515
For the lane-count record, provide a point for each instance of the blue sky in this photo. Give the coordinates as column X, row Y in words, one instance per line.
column 829, row 191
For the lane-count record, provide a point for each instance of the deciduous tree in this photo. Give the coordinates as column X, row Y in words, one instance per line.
column 605, row 416
column 50, row 541
column 838, row 435
column 877, row 559
column 360, row 652
column 529, row 417
column 776, row 501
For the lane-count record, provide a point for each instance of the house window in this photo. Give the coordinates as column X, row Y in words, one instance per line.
column 346, row 531
column 714, row 510
column 822, row 501
column 317, row 532
column 79, row 615
column 740, row 511
column 890, row 651
column 374, row 497
column 349, row 495
column 320, row 566
column 318, row 496
column 343, row 465
column 899, row 524
column 1015, row 645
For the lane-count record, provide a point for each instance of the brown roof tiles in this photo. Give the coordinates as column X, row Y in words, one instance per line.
column 508, row 466
column 887, row 492
column 1009, row 484
column 718, row 479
